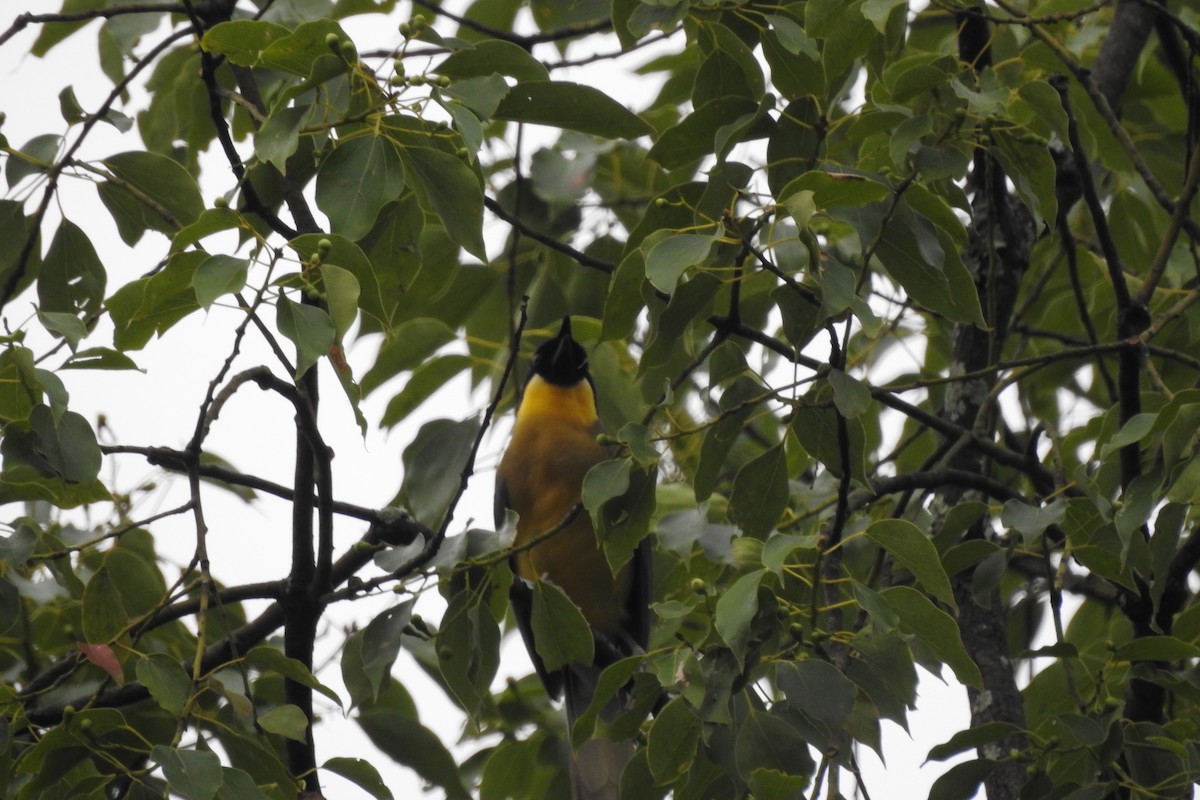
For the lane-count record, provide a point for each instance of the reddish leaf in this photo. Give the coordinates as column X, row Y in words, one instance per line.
column 103, row 657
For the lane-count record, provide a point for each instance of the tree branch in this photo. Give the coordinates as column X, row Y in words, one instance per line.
column 22, row 263
column 583, row 259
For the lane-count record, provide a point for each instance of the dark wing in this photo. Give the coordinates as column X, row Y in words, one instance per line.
column 520, row 595
column 500, row 501
column 641, row 592
column 521, row 598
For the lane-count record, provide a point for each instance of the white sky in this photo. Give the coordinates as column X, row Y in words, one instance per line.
column 249, row 544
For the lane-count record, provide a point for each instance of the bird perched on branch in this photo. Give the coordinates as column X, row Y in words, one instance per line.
column 554, row 444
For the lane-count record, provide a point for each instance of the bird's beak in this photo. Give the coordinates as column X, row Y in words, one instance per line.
column 564, row 336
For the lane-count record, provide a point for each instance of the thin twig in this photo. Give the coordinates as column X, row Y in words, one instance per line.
column 579, row 256
column 468, row 469
column 52, row 176
column 24, row 20
column 1182, row 207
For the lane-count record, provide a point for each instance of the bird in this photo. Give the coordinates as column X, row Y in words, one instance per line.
column 556, row 440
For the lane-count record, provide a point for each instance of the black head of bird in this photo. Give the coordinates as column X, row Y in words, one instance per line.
column 561, row 360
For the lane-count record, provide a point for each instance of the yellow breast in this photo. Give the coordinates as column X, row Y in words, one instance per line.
column 547, row 403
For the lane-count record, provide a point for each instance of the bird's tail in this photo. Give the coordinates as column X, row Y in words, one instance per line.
column 597, row 764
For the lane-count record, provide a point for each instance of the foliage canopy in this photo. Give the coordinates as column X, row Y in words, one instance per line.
column 891, row 309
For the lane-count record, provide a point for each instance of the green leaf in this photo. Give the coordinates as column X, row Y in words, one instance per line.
column 571, row 106
column 68, row 106
column 878, row 12
column 695, row 136
column 67, row 444
column 559, row 179
column 381, row 644
column 196, row 774
column 612, row 679
column 376, row 296
column 797, row 74
column 1133, row 431
column 624, row 521
column 819, row 690
column 391, row 724
column 72, row 278
column 99, row 358
column 672, row 741
column 217, row 276
column 309, row 328
column 299, row 51
column 909, row 545
column 779, row 547
column 213, row 220
column 433, row 465
column 1031, row 521
column 669, row 257
column 161, row 194
column 23, row 479
column 452, row 193
column 362, row 774
column 736, row 607
column 766, row 742
column 624, row 300
column 482, row 95
column 972, row 738
column 341, row 293
column 560, row 631
column 356, row 181
column 727, row 68
column 468, row 125
column 242, row 41
column 18, row 229
column 911, row 250
column 104, row 616
column 491, row 57
column 20, row 388
column 468, row 644
column 514, row 770
column 424, row 381
column 771, row 784
column 935, row 628
column 36, row 156
column 1031, row 169
column 850, row 395
column 286, row 720
column 238, row 785
column 603, row 482
column 1157, row 648
column 50, row 35
column 268, row 659
column 166, row 681
column 961, row 782
column 414, row 342
column 279, row 137
column 836, row 190
column 65, row 326
column 760, row 492
column 791, row 35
